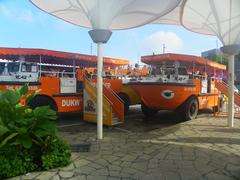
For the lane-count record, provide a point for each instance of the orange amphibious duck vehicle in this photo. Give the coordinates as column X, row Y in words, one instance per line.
column 180, row 83
column 59, row 75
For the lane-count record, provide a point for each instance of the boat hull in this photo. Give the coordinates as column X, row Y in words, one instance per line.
column 164, row 96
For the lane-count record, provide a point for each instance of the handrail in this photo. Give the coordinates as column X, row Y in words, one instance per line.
column 118, row 104
column 56, row 73
column 109, row 89
column 90, row 84
column 114, row 100
column 223, row 87
column 199, row 76
column 224, row 83
column 115, row 94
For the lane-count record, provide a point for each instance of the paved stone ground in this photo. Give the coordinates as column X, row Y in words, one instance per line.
column 204, row 148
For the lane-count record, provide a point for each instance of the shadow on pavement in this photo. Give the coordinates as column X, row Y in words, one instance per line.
column 223, row 130
column 135, row 121
column 220, row 140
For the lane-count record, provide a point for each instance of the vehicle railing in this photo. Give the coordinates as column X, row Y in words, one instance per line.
column 198, row 76
column 57, row 74
column 109, row 89
column 205, row 77
column 227, row 85
column 107, row 76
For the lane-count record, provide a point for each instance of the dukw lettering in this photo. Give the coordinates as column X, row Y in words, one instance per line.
column 70, row 102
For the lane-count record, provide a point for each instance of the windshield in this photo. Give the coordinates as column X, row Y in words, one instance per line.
column 182, row 71
column 169, row 71
column 2, row 65
column 13, row 67
column 28, row 67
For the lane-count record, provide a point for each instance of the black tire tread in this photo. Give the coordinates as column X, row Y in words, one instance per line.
column 125, row 98
column 41, row 100
column 184, row 109
column 148, row 112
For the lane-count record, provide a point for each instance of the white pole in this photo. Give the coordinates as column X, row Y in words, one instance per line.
column 231, row 90
column 100, row 92
column 100, row 36
column 40, row 66
column 231, row 50
column 74, row 68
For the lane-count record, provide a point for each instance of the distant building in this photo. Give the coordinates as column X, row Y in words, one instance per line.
column 209, row 53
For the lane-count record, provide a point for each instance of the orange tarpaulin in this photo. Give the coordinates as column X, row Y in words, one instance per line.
column 56, row 57
column 161, row 58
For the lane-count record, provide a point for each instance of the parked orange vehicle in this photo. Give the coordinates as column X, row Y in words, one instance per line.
column 59, row 75
column 170, row 86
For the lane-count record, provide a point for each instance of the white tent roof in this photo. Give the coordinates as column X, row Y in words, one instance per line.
column 107, row 14
column 214, row 17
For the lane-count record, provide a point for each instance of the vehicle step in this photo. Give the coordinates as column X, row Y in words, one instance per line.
column 115, row 119
column 114, row 123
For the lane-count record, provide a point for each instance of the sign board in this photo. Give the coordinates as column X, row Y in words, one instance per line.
column 204, row 86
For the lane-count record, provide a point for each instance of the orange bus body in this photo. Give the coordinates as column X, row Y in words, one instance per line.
column 151, row 95
column 50, row 87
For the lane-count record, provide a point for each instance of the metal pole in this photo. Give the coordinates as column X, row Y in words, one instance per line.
column 99, row 91
column 231, row 50
column 74, row 68
column 231, row 90
column 164, row 47
column 100, row 36
column 91, row 48
column 193, row 70
column 40, row 66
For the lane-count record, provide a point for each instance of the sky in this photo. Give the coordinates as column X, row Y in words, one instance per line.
column 24, row 25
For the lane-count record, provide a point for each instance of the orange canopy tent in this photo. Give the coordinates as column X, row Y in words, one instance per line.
column 56, row 57
column 186, row 60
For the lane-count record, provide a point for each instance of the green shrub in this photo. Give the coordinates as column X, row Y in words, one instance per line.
column 56, row 154
column 20, row 125
column 28, row 136
column 15, row 161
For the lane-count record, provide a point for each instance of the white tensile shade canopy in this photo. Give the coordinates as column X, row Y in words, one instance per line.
column 103, row 16
column 214, row 17
column 107, row 14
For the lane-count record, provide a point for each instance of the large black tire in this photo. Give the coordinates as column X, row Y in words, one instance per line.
column 125, row 98
column 189, row 110
column 148, row 112
column 39, row 100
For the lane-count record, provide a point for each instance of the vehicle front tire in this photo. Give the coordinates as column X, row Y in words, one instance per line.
column 189, row 110
column 39, row 100
column 126, row 101
column 148, row 112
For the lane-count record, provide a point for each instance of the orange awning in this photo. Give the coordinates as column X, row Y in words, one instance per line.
column 182, row 58
column 57, row 57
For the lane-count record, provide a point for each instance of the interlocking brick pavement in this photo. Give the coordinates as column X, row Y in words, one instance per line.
column 204, row 148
